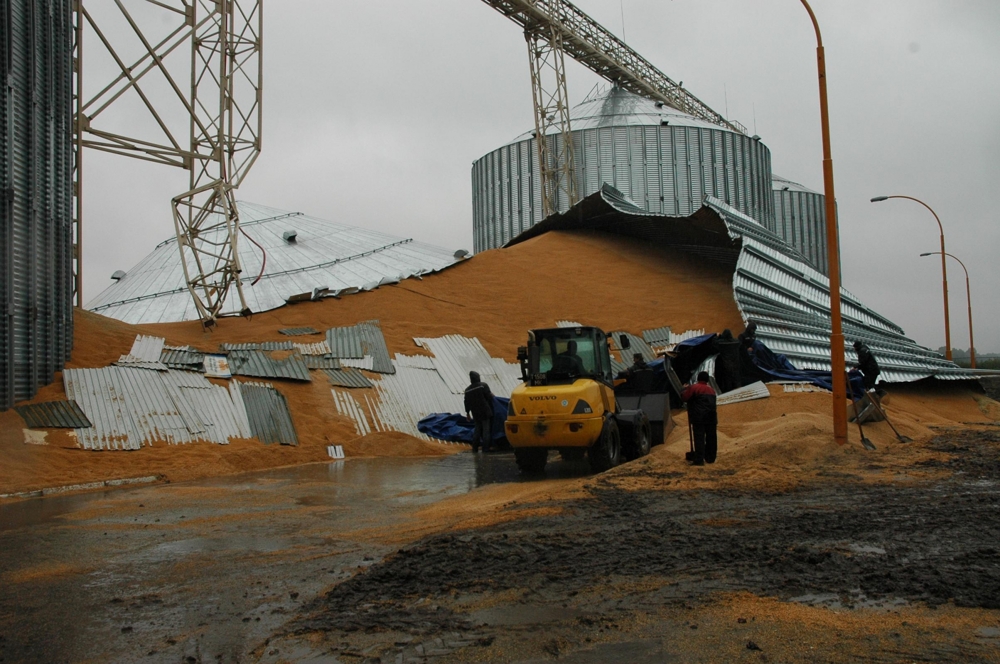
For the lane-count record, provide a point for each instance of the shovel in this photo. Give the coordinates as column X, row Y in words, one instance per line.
column 878, row 407
column 867, row 444
column 689, row 456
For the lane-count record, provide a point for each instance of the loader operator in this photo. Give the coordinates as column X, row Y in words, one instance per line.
column 568, row 362
column 867, row 364
column 479, row 408
column 700, row 399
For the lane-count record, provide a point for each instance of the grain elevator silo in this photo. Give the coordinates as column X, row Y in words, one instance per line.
column 800, row 220
column 36, row 153
column 664, row 160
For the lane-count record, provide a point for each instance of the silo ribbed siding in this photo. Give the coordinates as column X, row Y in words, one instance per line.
column 800, row 220
column 664, row 161
column 36, row 155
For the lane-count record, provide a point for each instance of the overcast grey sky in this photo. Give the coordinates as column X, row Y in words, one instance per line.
column 374, row 112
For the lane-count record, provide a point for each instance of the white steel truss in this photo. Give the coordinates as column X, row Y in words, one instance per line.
column 152, row 44
column 548, row 89
column 592, row 45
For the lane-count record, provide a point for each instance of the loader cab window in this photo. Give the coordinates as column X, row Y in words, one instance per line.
column 568, row 353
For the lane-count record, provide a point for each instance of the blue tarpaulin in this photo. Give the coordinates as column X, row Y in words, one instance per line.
column 778, row 367
column 456, row 428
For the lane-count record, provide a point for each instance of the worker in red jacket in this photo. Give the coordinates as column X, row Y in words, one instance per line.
column 700, row 399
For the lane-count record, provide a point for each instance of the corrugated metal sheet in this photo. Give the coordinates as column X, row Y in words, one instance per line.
column 36, row 155
column 367, row 363
column 568, row 323
column 348, row 407
column 132, row 407
column 318, row 348
column 189, row 360
column 373, row 343
column 258, row 345
column 321, row 362
column 746, row 393
column 348, row 378
column 145, row 350
column 664, row 160
column 345, row 342
column 53, row 414
column 661, row 337
column 414, row 361
column 411, row 394
column 239, row 409
column 260, row 364
column 327, row 257
column 268, row 414
column 455, row 356
column 299, row 331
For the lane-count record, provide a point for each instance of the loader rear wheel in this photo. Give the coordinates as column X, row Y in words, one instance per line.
column 531, row 459
column 606, row 452
column 639, row 446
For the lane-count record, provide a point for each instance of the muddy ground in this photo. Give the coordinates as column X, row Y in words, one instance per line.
column 839, row 570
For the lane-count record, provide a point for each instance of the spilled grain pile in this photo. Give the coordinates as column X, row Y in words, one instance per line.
column 597, row 279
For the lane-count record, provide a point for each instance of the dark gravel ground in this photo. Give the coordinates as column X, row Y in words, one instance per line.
column 844, row 544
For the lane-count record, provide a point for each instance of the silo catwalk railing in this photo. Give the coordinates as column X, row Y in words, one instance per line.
column 221, row 107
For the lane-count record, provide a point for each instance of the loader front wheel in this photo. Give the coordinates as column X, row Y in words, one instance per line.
column 607, row 451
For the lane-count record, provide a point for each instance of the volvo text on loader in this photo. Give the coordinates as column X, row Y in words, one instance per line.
column 567, row 403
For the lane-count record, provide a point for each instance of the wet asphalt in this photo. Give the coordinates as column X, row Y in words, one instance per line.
column 202, row 571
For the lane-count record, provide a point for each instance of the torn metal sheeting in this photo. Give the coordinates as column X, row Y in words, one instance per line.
column 455, row 356
column 299, row 331
column 347, row 378
column 568, row 323
column 345, row 342
column 145, row 350
column 664, row 337
column 409, row 395
column 349, row 408
column 358, row 342
column 318, row 348
column 182, row 358
column 53, row 415
column 335, row 451
column 414, row 361
column 260, row 364
column 131, row 407
column 366, row 363
column 268, row 414
column 321, row 362
column 258, row 345
column 746, row 393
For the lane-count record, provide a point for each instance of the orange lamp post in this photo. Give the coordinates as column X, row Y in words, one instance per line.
column 968, row 297
column 837, row 360
column 944, row 269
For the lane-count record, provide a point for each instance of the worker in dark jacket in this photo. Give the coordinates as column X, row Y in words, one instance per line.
column 727, row 366
column 867, row 364
column 638, row 364
column 479, row 408
column 748, row 370
column 700, row 399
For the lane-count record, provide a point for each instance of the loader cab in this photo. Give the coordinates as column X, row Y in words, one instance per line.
column 562, row 355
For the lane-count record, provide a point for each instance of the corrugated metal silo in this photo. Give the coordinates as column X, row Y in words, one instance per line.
column 664, row 160
column 36, row 272
column 800, row 220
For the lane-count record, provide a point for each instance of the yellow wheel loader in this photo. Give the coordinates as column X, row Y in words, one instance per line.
column 567, row 403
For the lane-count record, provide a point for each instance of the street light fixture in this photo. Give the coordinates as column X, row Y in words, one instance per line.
column 968, row 296
column 838, row 369
column 944, row 269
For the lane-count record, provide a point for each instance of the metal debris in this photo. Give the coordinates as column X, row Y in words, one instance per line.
column 568, row 323
column 455, row 356
column 366, row 363
column 54, row 415
column 258, row 345
column 260, row 364
column 414, row 361
column 186, row 359
column 299, row 331
column 347, row 378
column 145, row 353
column 348, row 407
column 345, row 342
column 216, row 366
column 360, row 342
column 267, row 411
column 746, row 393
column 321, row 362
column 318, row 348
